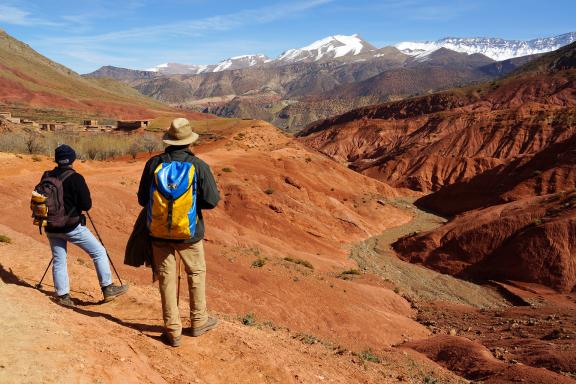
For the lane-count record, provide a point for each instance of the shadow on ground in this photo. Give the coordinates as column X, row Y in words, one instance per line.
column 9, row 277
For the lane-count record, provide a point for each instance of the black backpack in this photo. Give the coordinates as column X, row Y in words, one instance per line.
column 47, row 202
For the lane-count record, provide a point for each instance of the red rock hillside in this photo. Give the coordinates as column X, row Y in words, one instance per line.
column 532, row 240
column 523, row 228
column 31, row 82
column 428, row 142
column 549, row 171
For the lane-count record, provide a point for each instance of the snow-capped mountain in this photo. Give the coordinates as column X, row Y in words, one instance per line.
column 332, row 47
column 237, row 62
column 240, row 62
column 497, row 49
column 178, row 69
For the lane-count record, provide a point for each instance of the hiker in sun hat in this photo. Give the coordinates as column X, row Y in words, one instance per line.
column 68, row 225
column 174, row 189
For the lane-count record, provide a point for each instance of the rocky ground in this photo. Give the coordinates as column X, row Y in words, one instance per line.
column 517, row 343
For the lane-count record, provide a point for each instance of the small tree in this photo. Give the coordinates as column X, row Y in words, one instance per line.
column 92, row 152
column 134, row 149
column 33, row 144
column 111, row 153
column 149, row 143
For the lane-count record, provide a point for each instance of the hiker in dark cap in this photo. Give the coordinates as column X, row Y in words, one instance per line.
column 71, row 227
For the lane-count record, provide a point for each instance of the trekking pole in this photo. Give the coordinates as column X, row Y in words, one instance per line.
column 101, row 242
column 39, row 285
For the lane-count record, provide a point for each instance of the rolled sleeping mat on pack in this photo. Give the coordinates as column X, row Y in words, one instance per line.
column 39, row 209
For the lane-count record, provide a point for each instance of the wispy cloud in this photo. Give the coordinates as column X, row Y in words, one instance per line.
column 18, row 16
column 197, row 27
column 91, row 56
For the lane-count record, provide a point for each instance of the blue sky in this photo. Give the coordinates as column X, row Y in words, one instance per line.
column 85, row 35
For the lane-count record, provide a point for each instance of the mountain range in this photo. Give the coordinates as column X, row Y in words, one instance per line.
column 327, row 77
column 237, row 62
column 355, row 47
column 329, row 48
column 494, row 48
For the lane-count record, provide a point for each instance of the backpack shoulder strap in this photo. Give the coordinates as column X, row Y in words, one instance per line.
column 166, row 157
column 48, row 174
column 189, row 157
column 63, row 176
column 66, row 174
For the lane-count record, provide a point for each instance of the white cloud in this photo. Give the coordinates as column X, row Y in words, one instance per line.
column 198, row 26
column 17, row 16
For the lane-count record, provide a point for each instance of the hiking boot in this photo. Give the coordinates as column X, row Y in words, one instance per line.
column 170, row 340
column 113, row 291
column 210, row 324
column 65, row 301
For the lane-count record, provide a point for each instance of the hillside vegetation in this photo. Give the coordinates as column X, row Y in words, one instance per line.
column 31, row 82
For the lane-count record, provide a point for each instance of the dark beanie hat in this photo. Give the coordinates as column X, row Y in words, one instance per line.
column 64, row 155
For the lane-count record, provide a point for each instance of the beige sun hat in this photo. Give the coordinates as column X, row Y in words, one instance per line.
column 180, row 133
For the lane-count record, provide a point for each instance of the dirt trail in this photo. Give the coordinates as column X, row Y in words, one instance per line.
column 416, row 283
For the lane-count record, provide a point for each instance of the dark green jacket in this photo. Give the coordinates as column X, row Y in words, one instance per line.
column 139, row 248
column 207, row 193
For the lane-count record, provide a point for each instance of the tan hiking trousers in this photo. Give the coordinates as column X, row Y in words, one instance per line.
column 194, row 266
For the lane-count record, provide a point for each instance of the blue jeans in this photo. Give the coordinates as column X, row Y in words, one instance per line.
column 82, row 237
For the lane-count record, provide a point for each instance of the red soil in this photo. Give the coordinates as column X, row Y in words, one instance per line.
column 532, row 239
column 540, row 335
column 119, row 342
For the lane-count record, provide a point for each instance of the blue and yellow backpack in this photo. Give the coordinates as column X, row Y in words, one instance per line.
column 172, row 209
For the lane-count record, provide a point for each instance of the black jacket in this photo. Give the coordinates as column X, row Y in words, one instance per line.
column 76, row 199
column 207, row 193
